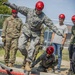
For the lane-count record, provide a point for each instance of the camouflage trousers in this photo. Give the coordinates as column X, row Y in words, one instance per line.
column 37, row 48
column 28, row 53
column 72, row 57
column 11, row 47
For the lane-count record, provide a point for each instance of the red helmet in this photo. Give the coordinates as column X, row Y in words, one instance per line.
column 39, row 5
column 50, row 50
column 62, row 16
column 14, row 11
column 73, row 18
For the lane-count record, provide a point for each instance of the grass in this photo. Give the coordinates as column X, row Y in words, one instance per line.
column 2, row 52
column 65, row 55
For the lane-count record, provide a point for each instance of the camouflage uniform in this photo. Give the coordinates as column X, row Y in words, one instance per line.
column 31, row 29
column 39, row 46
column 45, row 62
column 11, row 32
column 72, row 50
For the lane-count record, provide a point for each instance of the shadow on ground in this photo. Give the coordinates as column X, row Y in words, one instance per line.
column 17, row 66
column 64, row 69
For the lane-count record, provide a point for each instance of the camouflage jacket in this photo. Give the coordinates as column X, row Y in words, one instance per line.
column 33, row 21
column 45, row 61
column 12, row 27
column 73, row 35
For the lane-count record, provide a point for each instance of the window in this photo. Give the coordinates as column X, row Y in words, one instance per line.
column 47, row 37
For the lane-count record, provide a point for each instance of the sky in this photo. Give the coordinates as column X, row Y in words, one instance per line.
column 52, row 8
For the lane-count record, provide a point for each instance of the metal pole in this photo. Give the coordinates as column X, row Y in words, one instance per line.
column 5, row 67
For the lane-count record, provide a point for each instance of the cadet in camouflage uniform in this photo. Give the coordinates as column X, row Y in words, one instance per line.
column 47, row 60
column 10, row 34
column 38, row 46
column 72, row 47
column 34, row 19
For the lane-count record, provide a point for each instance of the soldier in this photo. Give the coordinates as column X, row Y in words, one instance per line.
column 72, row 47
column 34, row 19
column 10, row 34
column 38, row 47
column 47, row 60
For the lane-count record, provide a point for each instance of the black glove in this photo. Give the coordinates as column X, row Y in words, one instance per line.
column 32, row 66
column 62, row 47
column 50, row 43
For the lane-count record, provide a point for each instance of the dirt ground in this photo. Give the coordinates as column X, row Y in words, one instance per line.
column 64, row 66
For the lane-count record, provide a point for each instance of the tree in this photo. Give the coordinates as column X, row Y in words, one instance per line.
column 4, row 9
column 1, row 23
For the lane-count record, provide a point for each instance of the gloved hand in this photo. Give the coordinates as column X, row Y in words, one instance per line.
column 50, row 43
column 32, row 66
column 62, row 47
column 55, row 62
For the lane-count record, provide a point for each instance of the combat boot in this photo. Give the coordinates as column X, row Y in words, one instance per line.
column 6, row 64
column 27, row 66
column 24, row 63
column 11, row 65
column 23, row 66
